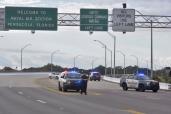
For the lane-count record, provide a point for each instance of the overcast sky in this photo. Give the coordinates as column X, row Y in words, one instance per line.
column 71, row 42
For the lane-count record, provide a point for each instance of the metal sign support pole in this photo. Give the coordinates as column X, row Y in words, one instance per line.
column 151, row 49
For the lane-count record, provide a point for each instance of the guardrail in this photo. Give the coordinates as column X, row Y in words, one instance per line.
column 163, row 86
column 22, row 73
column 119, row 75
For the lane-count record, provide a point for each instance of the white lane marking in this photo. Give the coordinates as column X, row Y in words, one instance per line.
column 10, row 84
column 153, row 98
column 41, row 101
column 61, row 108
column 20, row 92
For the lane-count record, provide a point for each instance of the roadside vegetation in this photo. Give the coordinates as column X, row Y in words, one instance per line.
column 162, row 75
column 163, row 78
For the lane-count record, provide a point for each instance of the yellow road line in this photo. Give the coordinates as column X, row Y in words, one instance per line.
column 51, row 89
column 94, row 93
column 54, row 90
column 63, row 93
column 133, row 111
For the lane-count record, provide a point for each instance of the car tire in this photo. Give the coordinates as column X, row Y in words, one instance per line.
column 50, row 77
column 64, row 89
column 124, row 86
column 77, row 90
column 141, row 88
column 155, row 89
column 59, row 87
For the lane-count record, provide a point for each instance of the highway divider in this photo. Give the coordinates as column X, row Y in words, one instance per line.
column 163, row 86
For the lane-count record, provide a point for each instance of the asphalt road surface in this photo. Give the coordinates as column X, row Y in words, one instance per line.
column 19, row 94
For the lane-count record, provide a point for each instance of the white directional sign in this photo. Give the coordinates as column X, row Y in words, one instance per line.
column 2, row 18
column 123, row 20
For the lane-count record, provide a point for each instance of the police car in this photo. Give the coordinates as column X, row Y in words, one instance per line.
column 139, row 82
column 95, row 76
column 69, row 80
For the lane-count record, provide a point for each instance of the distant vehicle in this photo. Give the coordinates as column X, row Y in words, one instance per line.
column 69, row 81
column 53, row 75
column 95, row 76
column 139, row 82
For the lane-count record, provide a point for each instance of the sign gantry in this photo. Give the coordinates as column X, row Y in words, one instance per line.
column 141, row 21
column 50, row 19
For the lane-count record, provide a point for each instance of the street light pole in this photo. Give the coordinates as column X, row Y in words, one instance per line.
column 105, row 53
column 105, row 60
column 110, row 59
column 75, row 57
column 124, row 59
column 147, row 66
column 137, row 61
column 92, row 64
column 52, row 59
column 22, row 54
column 114, row 50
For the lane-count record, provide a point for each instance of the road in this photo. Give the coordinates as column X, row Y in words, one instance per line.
column 19, row 94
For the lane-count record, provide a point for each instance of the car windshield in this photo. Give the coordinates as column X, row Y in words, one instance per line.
column 74, row 76
column 143, row 78
column 96, row 74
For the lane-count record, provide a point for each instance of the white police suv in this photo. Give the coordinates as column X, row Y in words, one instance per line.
column 139, row 82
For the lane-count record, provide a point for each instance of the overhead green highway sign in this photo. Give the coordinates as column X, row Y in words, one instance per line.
column 2, row 18
column 30, row 18
column 94, row 19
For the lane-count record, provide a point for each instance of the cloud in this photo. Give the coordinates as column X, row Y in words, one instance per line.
column 151, row 7
column 28, row 51
column 4, row 61
column 19, row 2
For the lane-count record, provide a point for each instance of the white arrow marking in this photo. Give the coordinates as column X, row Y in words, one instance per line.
column 41, row 101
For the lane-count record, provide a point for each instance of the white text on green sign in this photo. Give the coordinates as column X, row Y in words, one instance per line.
column 93, row 19
column 30, row 18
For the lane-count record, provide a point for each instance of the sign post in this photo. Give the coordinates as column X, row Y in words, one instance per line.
column 30, row 18
column 2, row 18
column 93, row 19
column 123, row 20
